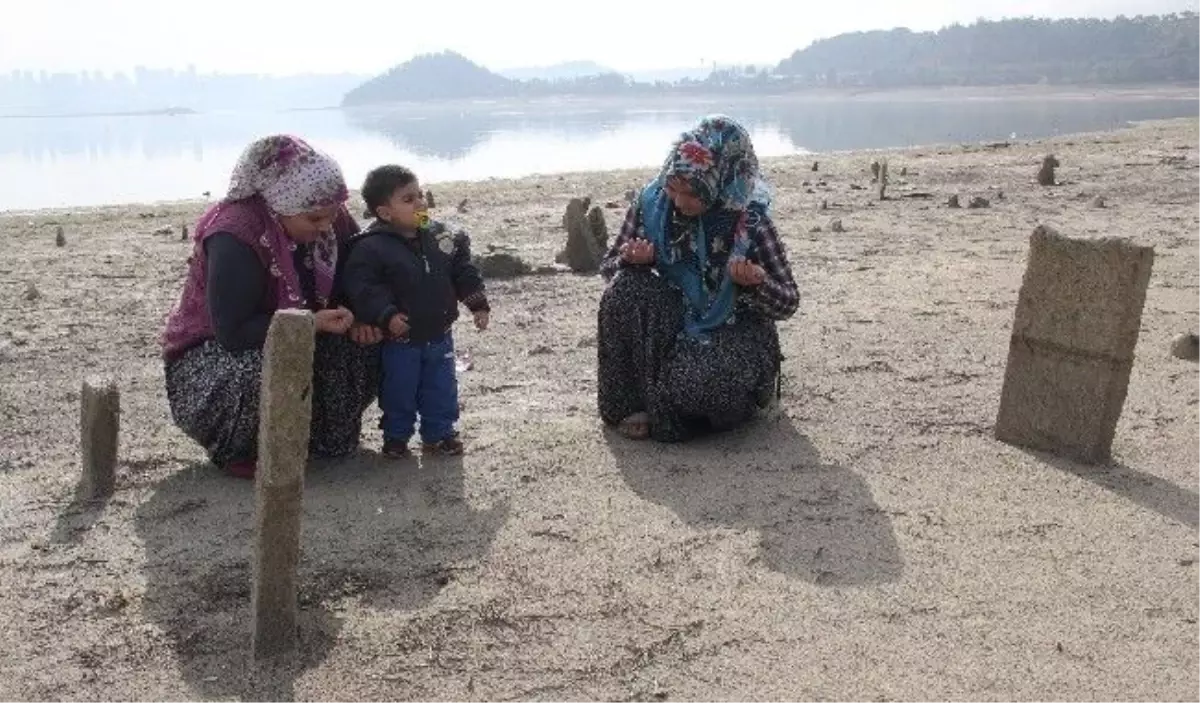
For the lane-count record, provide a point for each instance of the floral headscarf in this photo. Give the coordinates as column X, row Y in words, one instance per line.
column 717, row 160
column 291, row 176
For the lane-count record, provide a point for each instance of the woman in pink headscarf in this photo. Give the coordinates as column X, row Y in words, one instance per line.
column 271, row 243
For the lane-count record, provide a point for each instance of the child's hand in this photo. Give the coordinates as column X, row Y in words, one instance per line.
column 746, row 273
column 365, row 334
column 638, row 251
column 481, row 320
column 398, row 326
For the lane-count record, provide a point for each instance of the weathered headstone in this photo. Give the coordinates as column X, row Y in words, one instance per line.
column 285, row 411
column 953, row 202
column 183, row 233
column 430, row 202
column 1045, row 175
column 836, row 225
column 816, row 166
column 99, row 430
column 883, row 179
column 60, row 239
column 978, row 202
column 874, row 171
column 462, row 206
column 1074, row 333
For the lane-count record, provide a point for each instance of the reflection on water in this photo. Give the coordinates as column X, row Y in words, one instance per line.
column 47, row 162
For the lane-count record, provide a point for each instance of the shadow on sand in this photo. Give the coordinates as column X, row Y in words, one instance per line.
column 1147, row 490
column 817, row 520
column 381, row 534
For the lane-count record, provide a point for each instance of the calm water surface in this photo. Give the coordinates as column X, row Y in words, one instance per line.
column 73, row 161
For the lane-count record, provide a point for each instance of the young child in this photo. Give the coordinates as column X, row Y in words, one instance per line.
column 407, row 274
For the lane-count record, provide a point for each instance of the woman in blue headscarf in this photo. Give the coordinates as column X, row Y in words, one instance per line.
column 697, row 278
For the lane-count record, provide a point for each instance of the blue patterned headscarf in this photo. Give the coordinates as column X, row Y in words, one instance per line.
column 716, row 158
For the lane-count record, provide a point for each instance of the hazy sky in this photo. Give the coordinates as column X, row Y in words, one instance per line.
column 295, row 36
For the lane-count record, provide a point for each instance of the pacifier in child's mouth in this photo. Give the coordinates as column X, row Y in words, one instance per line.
column 422, row 219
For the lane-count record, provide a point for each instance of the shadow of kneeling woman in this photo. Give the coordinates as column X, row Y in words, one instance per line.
column 817, row 520
column 376, row 532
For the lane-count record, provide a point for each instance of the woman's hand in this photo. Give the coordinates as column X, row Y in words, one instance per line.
column 638, row 251
column 333, row 320
column 365, row 334
column 746, row 273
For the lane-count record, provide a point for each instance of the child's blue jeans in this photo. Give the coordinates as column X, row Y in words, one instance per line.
column 419, row 378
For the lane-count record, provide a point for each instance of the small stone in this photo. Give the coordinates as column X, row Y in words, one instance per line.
column 183, row 233
column 953, row 202
column 60, row 239
column 903, row 170
column 501, row 264
column 32, row 293
column 540, row 350
column 1186, row 347
column 836, row 226
column 588, row 341
column 816, row 166
column 462, row 206
column 815, row 229
column 164, row 230
column 824, row 204
column 1099, row 202
column 429, row 201
column 978, row 202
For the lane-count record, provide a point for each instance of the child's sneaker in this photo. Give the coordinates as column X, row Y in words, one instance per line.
column 396, row 449
column 451, row 446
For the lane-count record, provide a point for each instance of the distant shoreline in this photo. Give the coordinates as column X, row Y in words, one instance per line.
column 1148, row 91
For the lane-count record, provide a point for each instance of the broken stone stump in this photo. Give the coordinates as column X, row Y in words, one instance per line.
column 581, row 253
column 1074, row 333
column 285, row 411
column 99, row 429
column 599, row 228
column 1045, row 175
column 953, row 202
column 60, row 239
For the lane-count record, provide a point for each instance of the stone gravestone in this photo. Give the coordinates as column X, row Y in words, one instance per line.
column 99, row 429
column 285, row 412
column 1074, row 332
column 599, row 229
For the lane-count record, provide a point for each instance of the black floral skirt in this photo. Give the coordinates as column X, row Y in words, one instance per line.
column 214, row 393
column 686, row 386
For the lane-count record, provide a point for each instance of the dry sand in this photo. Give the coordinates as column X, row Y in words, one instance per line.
column 875, row 542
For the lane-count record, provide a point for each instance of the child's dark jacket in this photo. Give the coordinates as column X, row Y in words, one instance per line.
column 424, row 277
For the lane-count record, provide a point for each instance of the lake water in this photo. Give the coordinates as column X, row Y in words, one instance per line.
column 73, row 161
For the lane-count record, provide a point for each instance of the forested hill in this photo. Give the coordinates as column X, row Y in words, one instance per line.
column 1148, row 49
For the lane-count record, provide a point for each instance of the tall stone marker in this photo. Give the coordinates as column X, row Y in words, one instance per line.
column 99, row 430
column 1074, row 332
column 285, row 412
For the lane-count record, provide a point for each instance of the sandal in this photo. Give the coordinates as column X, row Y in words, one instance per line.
column 636, row 426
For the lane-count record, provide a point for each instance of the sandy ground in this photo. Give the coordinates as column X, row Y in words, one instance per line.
column 874, row 542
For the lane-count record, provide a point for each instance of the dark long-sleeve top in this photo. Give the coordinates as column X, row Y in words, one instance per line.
column 235, row 288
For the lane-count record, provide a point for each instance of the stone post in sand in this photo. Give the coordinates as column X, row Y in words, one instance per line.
column 285, row 412
column 581, row 253
column 1045, row 175
column 1074, row 332
column 99, row 429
